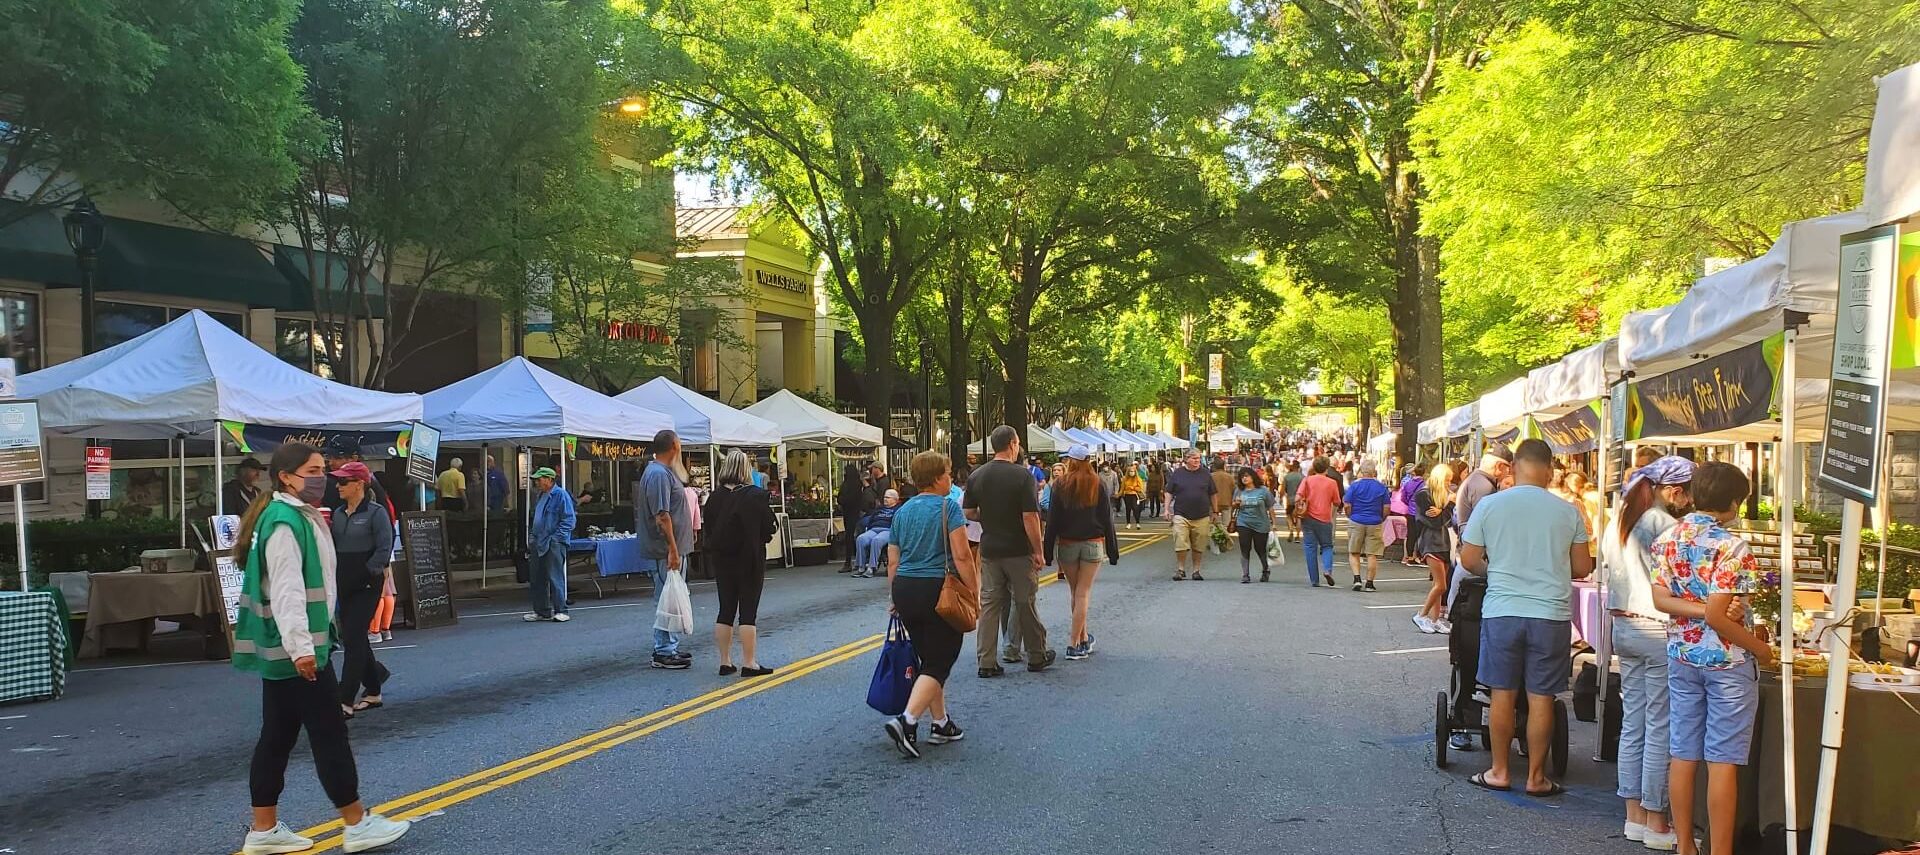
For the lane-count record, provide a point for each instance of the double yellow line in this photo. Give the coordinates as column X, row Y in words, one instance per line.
column 328, row 835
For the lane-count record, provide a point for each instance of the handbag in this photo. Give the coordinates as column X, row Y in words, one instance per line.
column 959, row 603
column 675, row 611
column 894, row 674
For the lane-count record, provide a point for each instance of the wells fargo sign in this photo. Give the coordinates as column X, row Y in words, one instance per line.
column 782, row 281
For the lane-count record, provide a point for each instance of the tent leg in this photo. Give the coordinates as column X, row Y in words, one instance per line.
column 183, row 491
column 486, row 508
column 1832, row 729
column 1787, row 493
column 219, row 471
column 1603, row 646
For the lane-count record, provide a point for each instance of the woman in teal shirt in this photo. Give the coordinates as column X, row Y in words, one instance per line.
column 928, row 533
column 1253, row 505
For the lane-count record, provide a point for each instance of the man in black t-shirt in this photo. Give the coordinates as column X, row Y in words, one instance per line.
column 1000, row 496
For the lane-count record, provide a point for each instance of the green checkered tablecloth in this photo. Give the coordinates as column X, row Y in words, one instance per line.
column 33, row 648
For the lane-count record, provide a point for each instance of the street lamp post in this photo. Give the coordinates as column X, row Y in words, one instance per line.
column 926, row 393
column 86, row 233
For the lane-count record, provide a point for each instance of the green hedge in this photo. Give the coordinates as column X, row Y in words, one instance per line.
column 62, row 546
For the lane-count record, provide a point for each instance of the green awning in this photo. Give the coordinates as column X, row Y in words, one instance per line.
column 155, row 259
column 291, row 261
column 34, row 247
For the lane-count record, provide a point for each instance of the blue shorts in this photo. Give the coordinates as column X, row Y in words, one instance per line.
column 1712, row 711
column 1526, row 653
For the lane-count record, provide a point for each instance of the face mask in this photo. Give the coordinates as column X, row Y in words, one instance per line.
column 313, row 488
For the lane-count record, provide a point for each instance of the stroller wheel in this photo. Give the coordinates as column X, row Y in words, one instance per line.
column 1442, row 729
column 1557, row 761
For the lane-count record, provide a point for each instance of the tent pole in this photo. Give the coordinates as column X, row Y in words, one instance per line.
column 1603, row 646
column 183, row 491
column 1787, row 492
column 486, row 507
column 563, row 463
column 219, row 472
column 1843, row 599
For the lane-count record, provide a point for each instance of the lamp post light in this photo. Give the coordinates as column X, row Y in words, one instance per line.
column 926, row 394
column 86, row 233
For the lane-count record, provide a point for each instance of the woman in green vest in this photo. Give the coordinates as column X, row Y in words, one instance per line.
column 285, row 635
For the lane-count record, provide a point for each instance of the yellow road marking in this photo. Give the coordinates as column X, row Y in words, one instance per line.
column 415, row 805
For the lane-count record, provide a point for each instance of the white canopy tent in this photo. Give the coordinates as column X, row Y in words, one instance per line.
column 1117, row 440
column 1038, row 441
column 1382, row 444
column 1092, row 441
column 520, row 402
column 1504, row 408
column 1893, row 171
column 1431, row 431
column 188, row 376
column 1061, row 439
column 1578, row 379
column 700, row 420
column 805, row 424
column 1148, row 442
column 1461, row 420
column 1175, row 443
column 183, row 379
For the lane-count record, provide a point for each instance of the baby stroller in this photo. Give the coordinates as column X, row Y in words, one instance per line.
column 1462, row 707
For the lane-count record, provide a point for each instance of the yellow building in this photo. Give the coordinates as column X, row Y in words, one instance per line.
column 780, row 335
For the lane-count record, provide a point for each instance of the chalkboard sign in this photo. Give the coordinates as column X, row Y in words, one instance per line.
column 427, row 589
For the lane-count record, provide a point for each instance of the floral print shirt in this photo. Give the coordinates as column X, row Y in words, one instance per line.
column 1696, row 558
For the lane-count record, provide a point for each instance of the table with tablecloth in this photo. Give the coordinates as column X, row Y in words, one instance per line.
column 33, row 647
column 122, row 607
column 1874, row 785
column 615, row 556
column 1586, row 612
column 1393, row 529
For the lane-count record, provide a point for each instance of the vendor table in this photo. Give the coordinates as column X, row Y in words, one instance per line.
column 33, row 647
column 138, row 598
column 613, row 556
column 1586, row 612
column 1873, row 791
column 1393, row 529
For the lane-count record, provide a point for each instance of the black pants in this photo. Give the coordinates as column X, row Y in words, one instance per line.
column 739, row 583
column 1133, row 507
column 852, row 521
column 1254, row 542
column 448, row 503
column 286, row 706
column 361, row 668
column 935, row 642
column 1153, row 504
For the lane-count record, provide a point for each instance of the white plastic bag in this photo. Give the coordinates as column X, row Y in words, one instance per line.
column 675, row 612
column 1274, row 553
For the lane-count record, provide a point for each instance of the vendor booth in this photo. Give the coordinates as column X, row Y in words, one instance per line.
column 520, row 404
column 1037, row 441
column 181, row 383
column 707, row 428
column 815, row 441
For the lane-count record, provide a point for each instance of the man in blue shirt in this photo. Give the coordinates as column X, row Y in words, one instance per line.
column 1366, row 504
column 1531, row 545
column 664, row 526
column 547, row 549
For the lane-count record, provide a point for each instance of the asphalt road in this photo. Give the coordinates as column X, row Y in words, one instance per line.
column 1215, row 717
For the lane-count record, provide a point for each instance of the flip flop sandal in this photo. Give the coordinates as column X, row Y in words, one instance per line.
column 1550, row 792
column 365, row 705
column 1479, row 779
column 346, row 712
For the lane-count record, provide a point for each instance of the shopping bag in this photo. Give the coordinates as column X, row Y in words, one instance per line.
column 1275, row 554
column 893, row 676
column 675, row 612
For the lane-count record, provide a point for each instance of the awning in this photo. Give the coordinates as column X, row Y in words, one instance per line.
column 1893, row 173
column 291, row 261
column 1463, row 419
column 1504, row 407
column 1578, row 379
column 155, row 259
column 34, row 248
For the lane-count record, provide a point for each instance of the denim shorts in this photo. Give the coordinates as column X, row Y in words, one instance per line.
column 1079, row 552
column 1712, row 711
column 1526, row 653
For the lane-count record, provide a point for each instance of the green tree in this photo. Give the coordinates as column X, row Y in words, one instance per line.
column 839, row 114
column 1336, row 87
column 438, row 127
column 189, row 100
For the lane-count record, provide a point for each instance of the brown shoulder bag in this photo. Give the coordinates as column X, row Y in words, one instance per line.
column 959, row 603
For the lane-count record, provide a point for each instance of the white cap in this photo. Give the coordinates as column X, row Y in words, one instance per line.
column 1078, row 452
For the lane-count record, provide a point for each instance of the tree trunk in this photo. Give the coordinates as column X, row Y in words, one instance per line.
column 1419, row 368
column 876, row 330
column 959, row 425
column 1015, row 358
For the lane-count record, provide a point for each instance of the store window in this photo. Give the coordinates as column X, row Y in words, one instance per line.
column 115, row 322
column 20, row 329
column 304, row 344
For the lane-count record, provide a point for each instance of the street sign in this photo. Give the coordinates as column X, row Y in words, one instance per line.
column 1395, row 420
column 423, row 456
column 1856, row 396
column 99, row 472
column 1338, row 399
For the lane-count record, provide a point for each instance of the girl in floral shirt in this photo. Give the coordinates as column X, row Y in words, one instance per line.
column 1713, row 663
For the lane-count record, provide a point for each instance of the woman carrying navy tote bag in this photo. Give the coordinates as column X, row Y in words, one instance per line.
column 894, row 675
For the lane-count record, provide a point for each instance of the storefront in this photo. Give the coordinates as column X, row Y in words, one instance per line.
column 777, row 333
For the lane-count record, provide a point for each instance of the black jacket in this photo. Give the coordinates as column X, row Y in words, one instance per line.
column 737, row 524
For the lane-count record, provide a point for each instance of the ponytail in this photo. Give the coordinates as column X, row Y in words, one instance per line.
column 1633, row 505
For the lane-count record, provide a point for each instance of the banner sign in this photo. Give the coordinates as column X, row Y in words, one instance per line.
column 423, row 458
column 580, row 448
column 1856, row 396
column 1731, row 390
column 1395, row 420
column 1506, row 439
column 1577, row 432
column 1906, row 303
column 20, row 458
column 99, row 472
column 263, row 439
column 1216, row 371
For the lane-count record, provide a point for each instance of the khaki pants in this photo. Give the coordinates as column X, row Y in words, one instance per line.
column 1009, row 584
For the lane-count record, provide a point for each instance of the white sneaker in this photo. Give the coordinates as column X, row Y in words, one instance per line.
column 530, row 617
column 1659, row 842
column 386, row 635
column 1635, row 831
column 561, row 618
column 373, row 638
column 1424, row 623
column 275, row 840
column 373, row 832
column 1443, row 626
